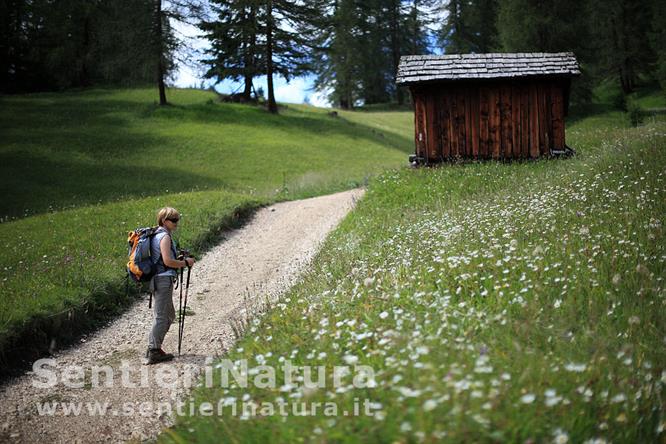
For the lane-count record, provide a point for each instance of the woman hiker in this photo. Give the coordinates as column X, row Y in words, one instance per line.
column 163, row 247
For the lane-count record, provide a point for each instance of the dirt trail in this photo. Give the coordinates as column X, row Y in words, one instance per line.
column 263, row 258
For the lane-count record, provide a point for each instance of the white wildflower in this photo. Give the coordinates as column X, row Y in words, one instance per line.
column 422, row 350
column 576, row 368
column 616, row 279
column 561, row 437
column 429, row 405
column 350, row 359
column 528, row 398
column 618, row 398
column 408, row 392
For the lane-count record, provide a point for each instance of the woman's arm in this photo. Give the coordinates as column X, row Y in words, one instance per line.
column 167, row 256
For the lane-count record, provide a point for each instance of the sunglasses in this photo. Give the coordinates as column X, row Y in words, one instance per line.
column 175, row 221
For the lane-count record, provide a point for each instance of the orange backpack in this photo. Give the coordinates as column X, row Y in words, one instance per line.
column 140, row 265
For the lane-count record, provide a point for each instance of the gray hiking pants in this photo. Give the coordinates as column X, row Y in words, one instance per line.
column 163, row 309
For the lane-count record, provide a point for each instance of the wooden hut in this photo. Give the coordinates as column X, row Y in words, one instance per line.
column 488, row 106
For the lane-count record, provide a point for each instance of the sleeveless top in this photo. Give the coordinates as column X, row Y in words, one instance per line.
column 156, row 253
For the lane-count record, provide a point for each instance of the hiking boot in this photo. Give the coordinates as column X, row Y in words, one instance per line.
column 156, row 355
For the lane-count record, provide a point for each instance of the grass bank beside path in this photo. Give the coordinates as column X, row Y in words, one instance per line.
column 81, row 169
column 520, row 302
column 64, row 271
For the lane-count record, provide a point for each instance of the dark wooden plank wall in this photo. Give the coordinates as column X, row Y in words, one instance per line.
column 499, row 120
column 419, row 125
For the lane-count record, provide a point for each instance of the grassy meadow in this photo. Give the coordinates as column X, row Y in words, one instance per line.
column 83, row 168
column 519, row 302
column 512, row 302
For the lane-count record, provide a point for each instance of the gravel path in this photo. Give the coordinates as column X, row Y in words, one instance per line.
column 262, row 259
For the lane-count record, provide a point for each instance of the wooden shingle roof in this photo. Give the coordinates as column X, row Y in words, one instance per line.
column 428, row 68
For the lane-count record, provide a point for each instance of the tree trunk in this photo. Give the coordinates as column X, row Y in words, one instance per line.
column 247, row 76
column 247, row 91
column 626, row 81
column 249, row 56
column 346, row 99
column 395, row 45
column 272, row 106
column 620, row 34
column 84, row 78
column 160, row 52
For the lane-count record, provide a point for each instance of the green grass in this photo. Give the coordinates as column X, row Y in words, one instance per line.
column 83, row 168
column 65, row 150
column 650, row 98
column 494, row 302
column 519, row 302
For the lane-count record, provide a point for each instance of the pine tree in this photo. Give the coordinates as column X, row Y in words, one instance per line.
column 408, row 36
column 160, row 49
column 484, row 18
column 359, row 44
column 375, row 71
column 336, row 62
column 415, row 34
column 621, row 33
column 250, row 37
column 164, row 43
column 469, row 26
column 286, row 46
column 77, row 44
column 123, row 51
column 236, row 50
column 541, row 26
column 455, row 37
column 657, row 37
column 395, row 15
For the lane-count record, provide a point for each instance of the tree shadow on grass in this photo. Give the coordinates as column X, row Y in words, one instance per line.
column 72, row 126
column 580, row 112
column 60, row 151
column 34, row 184
column 291, row 120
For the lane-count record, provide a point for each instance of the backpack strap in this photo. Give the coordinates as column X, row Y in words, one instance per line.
column 161, row 266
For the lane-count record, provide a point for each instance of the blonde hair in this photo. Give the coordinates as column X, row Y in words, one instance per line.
column 166, row 213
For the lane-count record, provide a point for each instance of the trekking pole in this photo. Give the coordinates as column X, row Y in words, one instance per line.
column 182, row 323
column 180, row 308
